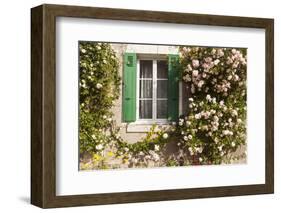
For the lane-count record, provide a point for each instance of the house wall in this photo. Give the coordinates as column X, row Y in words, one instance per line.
column 132, row 132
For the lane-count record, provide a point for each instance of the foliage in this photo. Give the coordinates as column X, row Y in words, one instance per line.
column 210, row 133
column 216, row 123
column 99, row 88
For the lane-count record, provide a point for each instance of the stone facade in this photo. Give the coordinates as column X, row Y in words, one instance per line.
column 133, row 132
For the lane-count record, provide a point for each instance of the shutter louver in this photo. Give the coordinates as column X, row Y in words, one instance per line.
column 129, row 87
column 173, row 87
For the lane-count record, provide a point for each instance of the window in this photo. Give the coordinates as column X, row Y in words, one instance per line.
column 152, row 90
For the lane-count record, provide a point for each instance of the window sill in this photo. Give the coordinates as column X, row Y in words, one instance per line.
column 142, row 127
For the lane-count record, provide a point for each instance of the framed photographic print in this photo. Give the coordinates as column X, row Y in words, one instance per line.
column 136, row 106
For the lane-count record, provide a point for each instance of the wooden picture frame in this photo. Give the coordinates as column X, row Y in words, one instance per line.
column 43, row 105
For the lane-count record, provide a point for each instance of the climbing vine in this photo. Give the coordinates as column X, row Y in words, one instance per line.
column 99, row 88
column 213, row 128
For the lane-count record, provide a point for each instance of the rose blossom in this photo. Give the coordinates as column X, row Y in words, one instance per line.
column 195, row 63
column 217, row 61
column 165, row 135
column 99, row 146
column 195, row 73
column 98, row 86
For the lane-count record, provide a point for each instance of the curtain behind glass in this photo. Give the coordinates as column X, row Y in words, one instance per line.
column 162, row 89
column 146, row 88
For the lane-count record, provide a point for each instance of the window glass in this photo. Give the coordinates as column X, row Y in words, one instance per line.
column 145, row 89
column 153, row 89
column 145, row 68
column 145, row 111
column 162, row 109
column 162, row 88
column 162, row 69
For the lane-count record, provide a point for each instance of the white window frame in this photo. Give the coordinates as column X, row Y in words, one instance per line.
column 154, row 119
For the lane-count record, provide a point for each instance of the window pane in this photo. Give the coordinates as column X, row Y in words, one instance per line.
column 145, row 88
column 145, row 69
column 162, row 88
column 162, row 109
column 145, row 109
column 162, row 69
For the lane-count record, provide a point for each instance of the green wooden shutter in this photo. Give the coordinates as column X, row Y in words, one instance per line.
column 129, row 87
column 173, row 87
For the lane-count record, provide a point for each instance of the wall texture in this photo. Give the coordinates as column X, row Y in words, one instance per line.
column 132, row 132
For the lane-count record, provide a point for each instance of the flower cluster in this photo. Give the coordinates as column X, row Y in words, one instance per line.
column 216, row 123
column 99, row 88
column 212, row 130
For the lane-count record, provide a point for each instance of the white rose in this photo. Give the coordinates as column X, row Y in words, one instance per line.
column 98, row 86
column 234, row 112
column 189, row 68
column 93, row 136
column 185, row 138
column 165, row 135
column 208, row 97
column 220, row 53
column 134, row 160
column 156, row 157
column 190, row 99
column 195, row 63
column 197, row 116
column 200, row 159
column 156, row 147
column 189, row 137
column 233, row 144
column 99, row 146
column 200, row 84
column 83, row 51
column 216, row 118
column 195, row 73
column 217, row 61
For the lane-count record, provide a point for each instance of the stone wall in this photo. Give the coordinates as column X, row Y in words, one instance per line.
column 133, row 137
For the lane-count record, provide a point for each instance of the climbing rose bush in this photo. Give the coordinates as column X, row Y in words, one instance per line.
column 215, row 125
column 211, row 131
column 99, row 85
